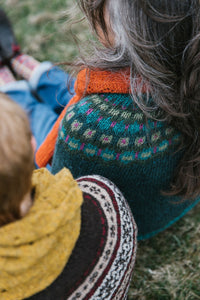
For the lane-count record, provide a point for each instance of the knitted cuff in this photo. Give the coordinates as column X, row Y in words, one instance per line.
column 24, row 65
column 6, row 76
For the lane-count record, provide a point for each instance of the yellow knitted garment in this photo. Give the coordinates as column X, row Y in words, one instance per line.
column 35, row 249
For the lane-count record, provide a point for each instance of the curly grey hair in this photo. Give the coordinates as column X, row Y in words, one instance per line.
column 159, row 40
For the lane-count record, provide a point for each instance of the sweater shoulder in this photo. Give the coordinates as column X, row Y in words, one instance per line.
column 112, row 110
column 114, row 124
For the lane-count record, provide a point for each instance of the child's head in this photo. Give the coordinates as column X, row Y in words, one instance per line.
column 16, row 159
column 159, row 40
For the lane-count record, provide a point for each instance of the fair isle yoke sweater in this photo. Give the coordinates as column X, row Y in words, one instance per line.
column 107, row 134
column 102, row 262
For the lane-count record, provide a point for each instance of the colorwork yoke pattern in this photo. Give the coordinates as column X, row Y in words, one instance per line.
column 107, row 134
column 101, row 264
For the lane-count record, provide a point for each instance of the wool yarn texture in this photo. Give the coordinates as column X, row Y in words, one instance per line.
column 103, row 131
column 35, row 249
column 99, row 81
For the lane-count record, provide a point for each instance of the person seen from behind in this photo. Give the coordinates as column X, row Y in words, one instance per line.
column 135, row 116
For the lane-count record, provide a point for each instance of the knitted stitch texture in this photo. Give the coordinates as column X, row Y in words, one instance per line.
column 99, row 82
column 6, row 76
column 35, row 249
column 107, row 134
column 101, row 264
column 24, row 65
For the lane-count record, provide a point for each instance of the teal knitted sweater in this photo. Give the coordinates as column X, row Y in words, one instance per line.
column 108, row 135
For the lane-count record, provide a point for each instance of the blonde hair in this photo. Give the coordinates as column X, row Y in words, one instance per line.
column 16, row 159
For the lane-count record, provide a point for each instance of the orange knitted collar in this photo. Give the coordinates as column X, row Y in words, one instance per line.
column 88, row 82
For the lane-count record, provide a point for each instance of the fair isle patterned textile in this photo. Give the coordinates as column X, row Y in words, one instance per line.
column 117, row 258
column 107, row 134
column 102, row 262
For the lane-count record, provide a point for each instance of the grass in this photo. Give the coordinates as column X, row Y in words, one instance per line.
column 168, row 265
